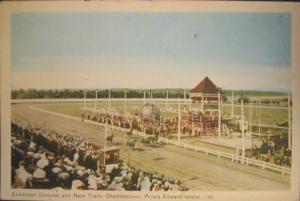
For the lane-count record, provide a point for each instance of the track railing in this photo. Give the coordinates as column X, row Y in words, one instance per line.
column 234, row 157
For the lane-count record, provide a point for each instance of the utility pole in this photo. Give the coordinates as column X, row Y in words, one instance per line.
column 289, row 124
column 259, row 113
column 179, row 119
column 167, row 99
column 249, row 123
column 105, row 136
column 125, row 102
column 219, row 116
column 232, row 104
column 109, row 96
column 243, row 132
column 96, row 99
column 84, row 105
column 151, row 96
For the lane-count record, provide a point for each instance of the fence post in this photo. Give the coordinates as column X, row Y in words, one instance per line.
column 264, row 165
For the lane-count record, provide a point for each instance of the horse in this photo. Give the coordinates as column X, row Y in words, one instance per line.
column 109, row 139
column 148, row 139
column 82, row 117
column 131, row 143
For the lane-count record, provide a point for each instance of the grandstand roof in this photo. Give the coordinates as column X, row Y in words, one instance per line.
column 206, row 86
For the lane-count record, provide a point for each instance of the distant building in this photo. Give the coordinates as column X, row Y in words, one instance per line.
column 206, row 90
column 204, row 120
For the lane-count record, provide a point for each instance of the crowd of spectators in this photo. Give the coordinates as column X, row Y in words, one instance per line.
column 47, row 159
column 192, row 123
column 274, row 149
column 162, row 127
column 195, row 123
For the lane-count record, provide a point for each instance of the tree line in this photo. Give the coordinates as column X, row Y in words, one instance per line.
column 130, row 93
column 101, row 93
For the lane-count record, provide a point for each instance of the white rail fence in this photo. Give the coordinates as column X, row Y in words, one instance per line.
column 234, row 157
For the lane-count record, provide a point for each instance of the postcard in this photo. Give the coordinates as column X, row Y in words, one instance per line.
column 149, row 100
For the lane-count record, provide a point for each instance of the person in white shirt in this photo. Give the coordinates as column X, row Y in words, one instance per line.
column 22, row 176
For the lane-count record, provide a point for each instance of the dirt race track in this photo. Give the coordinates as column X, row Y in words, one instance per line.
column 197, row 171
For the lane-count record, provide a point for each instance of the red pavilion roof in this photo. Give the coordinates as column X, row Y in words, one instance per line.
column 206, row 86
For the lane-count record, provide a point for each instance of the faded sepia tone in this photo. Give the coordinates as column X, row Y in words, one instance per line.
column 151, row 101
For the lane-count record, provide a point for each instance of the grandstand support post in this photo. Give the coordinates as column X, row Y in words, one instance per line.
column 243, row 132
column 179, row 119
column 193, row 125
column 259, row 111
column 125, row 102
column 96, row 99
column 109, row 96
column 219, row 116
column 289, row 123
column 231, row 103
column 202, row 104
column 84, row 104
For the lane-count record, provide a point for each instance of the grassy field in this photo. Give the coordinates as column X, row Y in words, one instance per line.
column 268, row 116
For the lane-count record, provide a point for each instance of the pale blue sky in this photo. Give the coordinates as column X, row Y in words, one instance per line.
column 146, row 50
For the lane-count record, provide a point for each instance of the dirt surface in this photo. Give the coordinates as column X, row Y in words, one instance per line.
column 196, row 170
